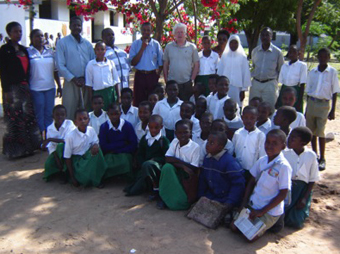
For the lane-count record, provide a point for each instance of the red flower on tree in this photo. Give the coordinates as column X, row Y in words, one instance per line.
column 209, row 3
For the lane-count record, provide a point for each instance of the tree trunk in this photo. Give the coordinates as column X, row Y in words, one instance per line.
column 252, row 39
column 159, row 28
column 293, row 39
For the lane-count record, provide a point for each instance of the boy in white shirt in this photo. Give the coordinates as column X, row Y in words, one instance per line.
column 187, row 111
column 264, row 123
column 212, row 86
column 129, row 112
column 101, row 76
column 216, row 102
column 269, row 183
column 231, row 117
column 249, row 141
column 205, row 126
column 144, row 113
column 305, row 173
column 322, row 88
column 198, row 92
column 293, row 74
column 98, row 116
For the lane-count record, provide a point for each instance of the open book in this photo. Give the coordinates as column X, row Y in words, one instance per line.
column 250, row 228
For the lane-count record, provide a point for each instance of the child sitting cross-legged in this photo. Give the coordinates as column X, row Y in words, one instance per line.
column 144, row 113
column 231, row 117
column 54, row 142
column 118, row 141
column 182, row 160
column 305, row 173
column 150, row 158
column 269, row 184
column 83, row 157
column 98, row 116
column 284, row 117
column 221, row 178
column 205, row 124
column 264, row 123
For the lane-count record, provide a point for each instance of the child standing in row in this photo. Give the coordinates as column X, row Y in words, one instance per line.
column 198, row 92
column 264, row 123
column 187, row 112
column 98, row 116
column 153, row 99
column 205, row 126
column 144, row 113
column 201, row 107
column 128, row 112
column 231, row 117
column 216, row 102
column 284, row 117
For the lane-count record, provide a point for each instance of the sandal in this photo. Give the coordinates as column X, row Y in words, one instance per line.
column 322, row 164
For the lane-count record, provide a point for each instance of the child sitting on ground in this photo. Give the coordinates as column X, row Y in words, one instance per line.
column 83, row 157
column 231, row 117
column 150, row 158
column 54, row 142
column 182, row 160
column 160, row 91
column 284, row 117
column 153, row 99
column 305, row 173
column 199, row 92
column 269, row 183
column 216, row 103
column 201, row 107
column 98, row 116
column 187, row 111
column 264, row 123
column 255, row 102
column 249, row 141
column 144, row 113
column 205, row 126
column 118, row 141
column 169, row 108
column 129, row 112
column 102, row 77
column 221, row 178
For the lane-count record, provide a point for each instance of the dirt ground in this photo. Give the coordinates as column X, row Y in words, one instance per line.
column 40, row 217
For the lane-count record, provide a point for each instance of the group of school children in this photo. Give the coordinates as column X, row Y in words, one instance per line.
column 255, row 158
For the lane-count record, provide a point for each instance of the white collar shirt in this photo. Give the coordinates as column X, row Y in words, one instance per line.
column 229, row 148
column 216, row 106
column 266, row 126
column 52, row 132
column 249, row 146
column 152, row 139
column 192, row 98
column 208, row 65
column 270, row 179
column 120, row 126
column 169, row 114
column 96, row 122
column 305, row 166
column 131, row 115
column 293, row 74
column 300, row 121
column 189, row 153
column 139, row 130
column 235, row 123
column 78, row 143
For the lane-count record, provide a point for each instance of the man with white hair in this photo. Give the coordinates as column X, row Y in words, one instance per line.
column 181, row 62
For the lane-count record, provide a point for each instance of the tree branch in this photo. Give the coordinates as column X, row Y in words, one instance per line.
column 298, row 20
column 175, row 6
column 311, row 14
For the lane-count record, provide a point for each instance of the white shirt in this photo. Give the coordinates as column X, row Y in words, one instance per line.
column 139, row 130
column 305, row 166
column 266, row 126
column 249, row 146
column 271, row 178
column 229, row 147
column 322, row 85
column 215, row 106
column 101, row 75
column 96, row 122
column 52, row 132
column 197, row 138
column 300, row 121
column 152, row 139
column 235, row 123
column 293, row 74
column 120, row 126
column 77, row 142
column 131, row 116
column 208, row 65
column 192, row 98
column 169, row 114
column 190, row 153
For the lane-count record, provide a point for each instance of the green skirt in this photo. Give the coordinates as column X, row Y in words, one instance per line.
column 118, row 164
column 109, row 96
column 89, row 170
column 51, row 166
column 293, row 217
column 204, row 79
column 171, row 189
column 298, row 99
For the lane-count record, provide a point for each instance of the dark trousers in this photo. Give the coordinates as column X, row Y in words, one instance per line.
column 185, row 91
column 144, row 84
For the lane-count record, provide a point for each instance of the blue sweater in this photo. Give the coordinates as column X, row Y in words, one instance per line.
column 115, row 141
column 222, row 180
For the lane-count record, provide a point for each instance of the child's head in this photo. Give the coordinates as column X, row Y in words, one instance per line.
column 187, row 110
column 100, row 49
column 206, row 122
column 288, row 97
column 144, row 111
column 219, row 125
column 160, row 91
column 172, row 89
column 216, row 142
column 114, row 112
column 284, row 116
column 324, row 55
column 126, row 97
column 255, row 101
column 183, row 131
column 59, row 114
column 230, row 109
column 222, row 86
column 249, row 117
column 153, row 99
column 198, row 89
column 299, row 137
column 81, row 119
column 264, row 110
column 201, row 107
column 206, row 42
column 212, row 81
column 275, row 143
column 155, row 125
column 293, row 53
column 97, row 102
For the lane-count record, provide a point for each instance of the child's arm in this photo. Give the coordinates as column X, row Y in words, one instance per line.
column 69, row 165
column 331, row 115
column 57, row 80
column 95, row 149
column 55, row 140
column 303, row 201
column 248, row 192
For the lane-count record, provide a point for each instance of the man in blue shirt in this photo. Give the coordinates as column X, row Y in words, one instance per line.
column 146, row 55
column 72, row 55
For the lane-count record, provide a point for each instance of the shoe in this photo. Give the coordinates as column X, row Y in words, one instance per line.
column 161, row 205
column 322, row 164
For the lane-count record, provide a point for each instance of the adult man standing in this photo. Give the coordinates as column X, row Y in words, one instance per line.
column 73, row 53
column 147, row 56
column 181, row 62
column 119, row 57
column 267, row 62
